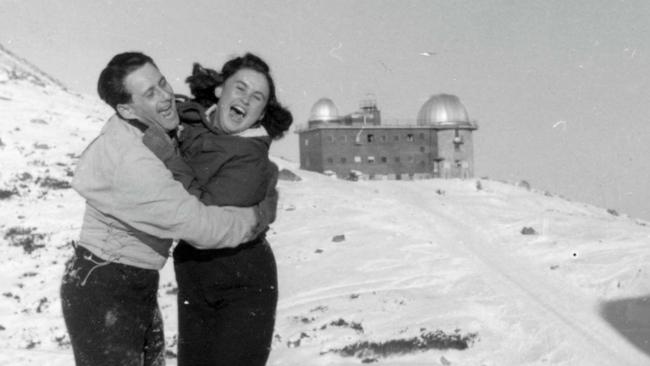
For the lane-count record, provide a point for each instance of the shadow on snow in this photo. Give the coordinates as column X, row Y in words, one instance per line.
column 631, row 318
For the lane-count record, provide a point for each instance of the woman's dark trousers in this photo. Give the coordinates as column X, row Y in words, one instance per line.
column 227, row 300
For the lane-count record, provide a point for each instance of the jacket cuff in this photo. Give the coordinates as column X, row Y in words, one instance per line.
column 262, row 222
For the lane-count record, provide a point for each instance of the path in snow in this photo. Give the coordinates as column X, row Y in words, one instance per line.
column 558, row 306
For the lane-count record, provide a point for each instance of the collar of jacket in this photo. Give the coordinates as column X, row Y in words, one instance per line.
column 137, row 124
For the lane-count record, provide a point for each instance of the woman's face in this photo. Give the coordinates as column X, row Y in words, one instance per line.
column 242, row 99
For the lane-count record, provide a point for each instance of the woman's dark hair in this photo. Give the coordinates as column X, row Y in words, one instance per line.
column 203, row 81
column 110, row 85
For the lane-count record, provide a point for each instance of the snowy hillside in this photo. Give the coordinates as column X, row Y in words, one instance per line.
column 429, row 272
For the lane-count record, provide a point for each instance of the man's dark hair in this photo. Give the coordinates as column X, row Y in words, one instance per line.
column 110, row 85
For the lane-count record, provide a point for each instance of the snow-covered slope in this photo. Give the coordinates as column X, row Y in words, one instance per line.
column 427, row 256
column 43, row 129
column 429, row 272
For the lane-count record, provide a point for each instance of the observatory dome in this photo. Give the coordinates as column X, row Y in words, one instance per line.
column 324, row 110
column 444, row 110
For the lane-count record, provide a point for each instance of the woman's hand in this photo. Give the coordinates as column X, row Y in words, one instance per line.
column 159, row 143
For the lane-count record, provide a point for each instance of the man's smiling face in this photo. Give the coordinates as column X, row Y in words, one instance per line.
column 152, row 98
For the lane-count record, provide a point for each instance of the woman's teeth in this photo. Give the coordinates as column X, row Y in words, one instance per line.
column 239, row 111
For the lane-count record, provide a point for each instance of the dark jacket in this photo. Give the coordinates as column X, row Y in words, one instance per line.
column 232, row 170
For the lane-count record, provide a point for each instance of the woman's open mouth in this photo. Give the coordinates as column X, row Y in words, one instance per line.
column 237, row 113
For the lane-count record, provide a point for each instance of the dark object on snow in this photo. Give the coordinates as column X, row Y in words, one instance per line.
column 524, row 184
column 53, row 183
column 5, row 194
column 354, row 175
column 338, row 238
column 528, row 231
column 426, row 341
column 286, row 174
column 27, row 238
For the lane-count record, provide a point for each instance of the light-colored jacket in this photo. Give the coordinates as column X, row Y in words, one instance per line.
column 135, row 209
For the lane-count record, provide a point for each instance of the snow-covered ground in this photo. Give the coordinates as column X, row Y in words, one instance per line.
column 428, row 272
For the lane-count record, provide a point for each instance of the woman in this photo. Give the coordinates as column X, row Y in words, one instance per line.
column 227, row 298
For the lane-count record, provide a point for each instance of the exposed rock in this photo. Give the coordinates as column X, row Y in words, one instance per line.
column 286, row 174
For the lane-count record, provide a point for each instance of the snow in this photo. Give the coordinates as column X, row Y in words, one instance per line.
column 372, row 264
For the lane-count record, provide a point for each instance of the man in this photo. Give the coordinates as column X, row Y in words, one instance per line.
column 134, row 210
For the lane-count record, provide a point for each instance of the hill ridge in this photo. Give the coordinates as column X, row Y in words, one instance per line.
column 27, row 68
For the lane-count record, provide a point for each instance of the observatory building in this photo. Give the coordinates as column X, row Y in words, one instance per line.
column 357, row 145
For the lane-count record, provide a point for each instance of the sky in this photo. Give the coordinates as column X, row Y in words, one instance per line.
column 558, row 88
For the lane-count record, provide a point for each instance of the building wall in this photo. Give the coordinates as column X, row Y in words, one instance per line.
column 311, row 147
column 456, row 160
column 377, row 152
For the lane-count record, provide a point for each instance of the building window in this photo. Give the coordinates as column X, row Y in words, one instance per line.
column 410, row 158
column 357, row 159
column 382, row 138
column 343, row 138
column 409, row 137
column 370, row 137
column 330, row 138
column 396, row 138
column 397, row 159
column 306, row 142
column 330, row 161
column 422, row 149
column 344, row 160
column 371, row 159
column 421, row 136
column 384, row 159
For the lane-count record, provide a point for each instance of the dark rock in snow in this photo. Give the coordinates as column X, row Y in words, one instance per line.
column 286, row 174
column 338, row 238
column 528, row 231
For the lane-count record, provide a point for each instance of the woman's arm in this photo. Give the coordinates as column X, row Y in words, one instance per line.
column 164, row 149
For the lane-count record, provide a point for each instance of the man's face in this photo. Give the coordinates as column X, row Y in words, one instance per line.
column 242, row 100
column 152, row 98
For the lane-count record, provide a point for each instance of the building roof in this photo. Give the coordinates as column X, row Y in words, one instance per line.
column 443, row 110
column 324, row 110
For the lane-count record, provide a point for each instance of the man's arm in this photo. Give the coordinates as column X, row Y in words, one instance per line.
column 162, row 147
column 171, row 212
column 140, row 191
